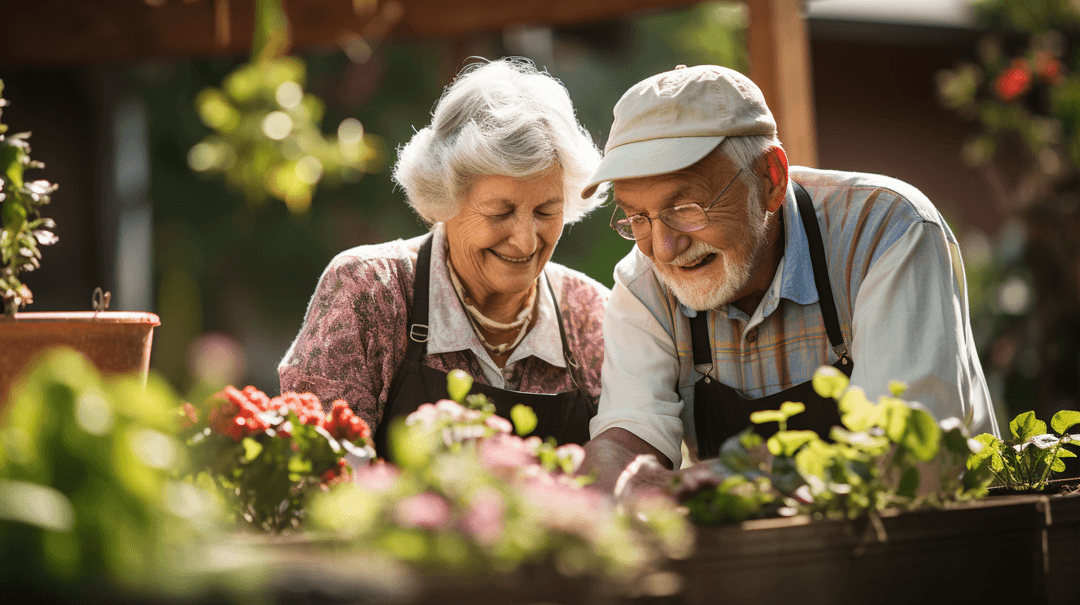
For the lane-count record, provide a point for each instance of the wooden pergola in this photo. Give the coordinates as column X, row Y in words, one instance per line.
column 73, row 32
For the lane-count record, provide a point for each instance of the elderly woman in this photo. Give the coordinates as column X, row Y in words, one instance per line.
column 497, row 174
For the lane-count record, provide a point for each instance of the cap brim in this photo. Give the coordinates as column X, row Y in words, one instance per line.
column 650, row 158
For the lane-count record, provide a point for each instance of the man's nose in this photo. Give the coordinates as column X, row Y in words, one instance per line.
column 667, row 243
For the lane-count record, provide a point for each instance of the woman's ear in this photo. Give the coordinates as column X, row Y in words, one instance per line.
column 776, row 178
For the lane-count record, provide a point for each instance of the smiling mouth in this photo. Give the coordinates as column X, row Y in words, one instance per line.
column 515, row 260
column 701, row 262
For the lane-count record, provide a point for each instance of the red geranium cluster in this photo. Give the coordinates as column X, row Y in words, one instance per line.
column 240, row 414
column 237, row 414
column 343, row 424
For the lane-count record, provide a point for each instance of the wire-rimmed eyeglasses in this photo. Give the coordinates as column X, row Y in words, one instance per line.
column 684, row 217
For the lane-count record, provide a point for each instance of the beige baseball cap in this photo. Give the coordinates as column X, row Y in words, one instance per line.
column 672, row 120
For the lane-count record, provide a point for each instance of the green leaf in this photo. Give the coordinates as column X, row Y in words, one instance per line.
column 458, row 384
column 829, row 382
column 524, row 419
column 923, row 437
column 763, row 416
column 856, row 411
column 897, row 388
column 1026, row 426
column 990, row 449
column 790, row 408
column 786, row 443
column 813, row 459
column 909, row 482
column 252, row 449
column 1058, row 466
column 1064, row 420
column 896, row 416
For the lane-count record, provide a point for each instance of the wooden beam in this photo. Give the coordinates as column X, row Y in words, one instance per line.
column 779, row 50
column 67, row 32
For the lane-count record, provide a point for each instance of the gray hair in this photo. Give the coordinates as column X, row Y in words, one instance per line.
column 744, row 152
column 501, row 118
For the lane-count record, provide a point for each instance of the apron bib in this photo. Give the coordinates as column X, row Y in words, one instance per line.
column 564, row 416
column 720, row 411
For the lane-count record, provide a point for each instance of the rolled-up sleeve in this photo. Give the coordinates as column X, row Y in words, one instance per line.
column 640, row 375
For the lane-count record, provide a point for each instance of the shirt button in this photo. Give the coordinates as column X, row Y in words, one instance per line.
column 751, row 336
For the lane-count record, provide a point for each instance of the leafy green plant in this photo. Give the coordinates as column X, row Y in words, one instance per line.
column 23, row 228
column 267, row 455
column 875, row 461
column 88, row 498
column 1027, row 461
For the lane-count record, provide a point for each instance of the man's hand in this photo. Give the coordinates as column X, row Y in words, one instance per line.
column 610, row 453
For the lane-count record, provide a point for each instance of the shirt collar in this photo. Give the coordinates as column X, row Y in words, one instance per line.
column 449, row 327
column 795, row 279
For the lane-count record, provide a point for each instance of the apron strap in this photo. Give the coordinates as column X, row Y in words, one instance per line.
column 819, row 262
column 572, row 366
column 418, row 319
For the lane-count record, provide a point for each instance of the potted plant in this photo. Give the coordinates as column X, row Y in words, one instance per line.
column 885, row 511
column 1025, row 463
column 115, row 341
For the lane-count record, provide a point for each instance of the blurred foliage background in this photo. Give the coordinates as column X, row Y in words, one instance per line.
column 234, row 268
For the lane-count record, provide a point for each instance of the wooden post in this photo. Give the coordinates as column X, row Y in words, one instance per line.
column 779, row 49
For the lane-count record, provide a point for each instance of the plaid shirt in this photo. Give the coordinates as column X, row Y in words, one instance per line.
column 898, row 281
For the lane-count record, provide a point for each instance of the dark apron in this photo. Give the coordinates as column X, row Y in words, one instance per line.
column 720, row 411
column 564, row 416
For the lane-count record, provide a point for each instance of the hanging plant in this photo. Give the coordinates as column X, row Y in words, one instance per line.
column 267, row 139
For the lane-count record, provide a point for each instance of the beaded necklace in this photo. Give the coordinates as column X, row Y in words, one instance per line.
column 478, row 319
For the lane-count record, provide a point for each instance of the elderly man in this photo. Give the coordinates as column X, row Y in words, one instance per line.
column 747, row 276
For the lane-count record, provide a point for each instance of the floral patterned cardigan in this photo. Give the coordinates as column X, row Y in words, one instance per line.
column 354, row 335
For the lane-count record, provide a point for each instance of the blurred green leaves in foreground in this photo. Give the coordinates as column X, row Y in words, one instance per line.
column 87, row 503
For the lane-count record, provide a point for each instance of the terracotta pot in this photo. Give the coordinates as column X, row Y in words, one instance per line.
column 115, row 341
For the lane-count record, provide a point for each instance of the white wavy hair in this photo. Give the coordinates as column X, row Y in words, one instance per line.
column 744, row 152
column 501, row 118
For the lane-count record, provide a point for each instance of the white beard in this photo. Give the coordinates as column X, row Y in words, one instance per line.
column 705, row 294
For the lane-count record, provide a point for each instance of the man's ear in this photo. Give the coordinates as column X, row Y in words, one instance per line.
column 775, row 178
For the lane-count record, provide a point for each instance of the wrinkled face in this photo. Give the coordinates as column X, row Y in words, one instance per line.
column 710, row 267
column 505, row 233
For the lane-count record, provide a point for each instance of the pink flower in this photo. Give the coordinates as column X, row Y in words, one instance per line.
column 485, row 517
column 425, row 511
column 504, row 451
column 424, row 415
column 499, row 423
column 377, row 477
column 573, row 452
column 563, row 507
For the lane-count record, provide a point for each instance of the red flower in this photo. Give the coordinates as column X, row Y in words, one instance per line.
column 1014, row 81
column 1049, row 68
column 236, row 414
column 305, row 405
column 343, row 424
